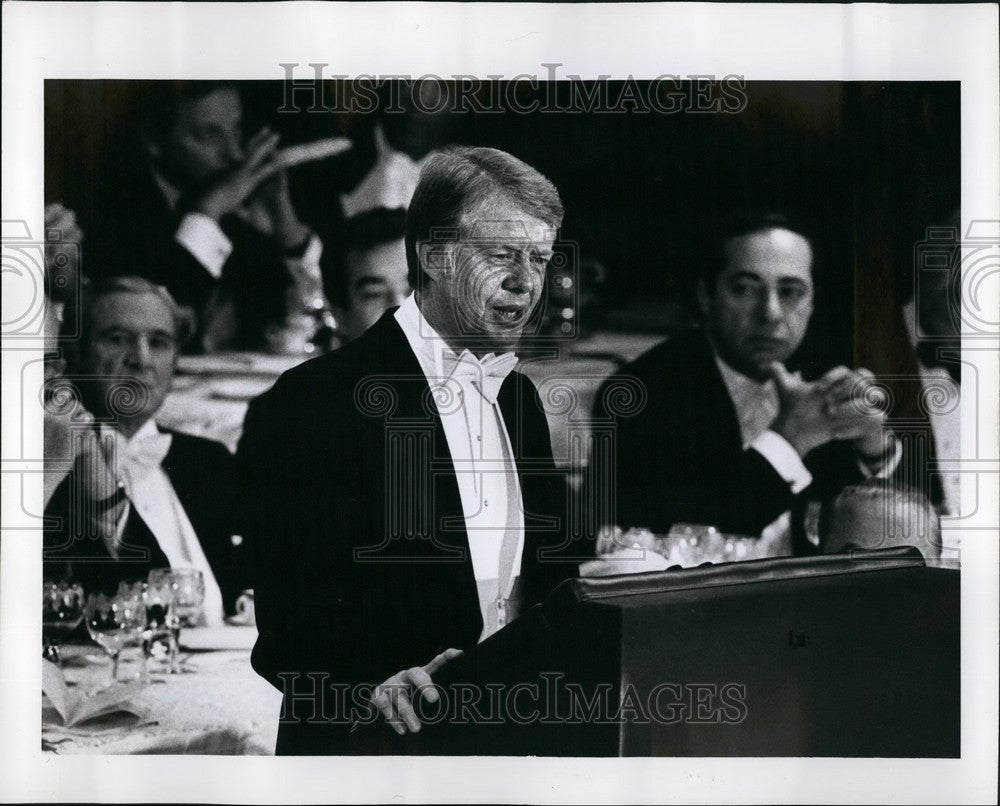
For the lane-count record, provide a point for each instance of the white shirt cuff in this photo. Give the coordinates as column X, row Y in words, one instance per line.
column 887, row 468
column 784, row 459
column 202, row 236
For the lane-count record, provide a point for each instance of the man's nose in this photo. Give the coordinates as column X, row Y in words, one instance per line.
column 770, row 307
column 139, row 354
column 518, row 278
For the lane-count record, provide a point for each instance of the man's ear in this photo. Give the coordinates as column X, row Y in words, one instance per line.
column 435, row 259
column 704, row 299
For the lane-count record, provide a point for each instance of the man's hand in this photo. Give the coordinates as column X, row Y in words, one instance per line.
column 57, row 434
column 71, row 441
column 857, row 407
column 273, row 204
column 802, row 408
column 229, row 194
column 394, row 698
column 62, row 252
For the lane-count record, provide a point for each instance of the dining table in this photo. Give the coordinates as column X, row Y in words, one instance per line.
column 215, row 704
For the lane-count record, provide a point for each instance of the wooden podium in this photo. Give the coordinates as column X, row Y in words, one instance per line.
column 842, row 655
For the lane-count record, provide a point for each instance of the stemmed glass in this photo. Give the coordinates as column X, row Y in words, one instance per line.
column 115, row 622
column 158, row 596
column 62, row 611
column 188, row 588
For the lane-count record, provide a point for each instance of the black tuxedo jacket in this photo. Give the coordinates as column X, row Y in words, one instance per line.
column 680, row 459
column 202, row 474
column 134, row 235
column 362, row 564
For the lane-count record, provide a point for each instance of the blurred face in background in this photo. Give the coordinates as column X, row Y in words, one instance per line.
column 377, row 281
column 131, row 350
column 758, row 307
column 205, row 141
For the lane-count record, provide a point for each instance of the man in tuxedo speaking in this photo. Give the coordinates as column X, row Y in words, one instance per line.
column 402, row 488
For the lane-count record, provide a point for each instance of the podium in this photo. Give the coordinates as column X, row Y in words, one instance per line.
column 846, row 655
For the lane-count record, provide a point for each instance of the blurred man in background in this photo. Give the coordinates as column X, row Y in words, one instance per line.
column 124, row 496
column 728, row 437
column 374, row 276
column 206, row 213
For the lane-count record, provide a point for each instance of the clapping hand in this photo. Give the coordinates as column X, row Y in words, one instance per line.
column 233, row 190
column 802, row 408
column 72, row 442
column 271, row 205
column 857, row 407
column 844, row 404
column 394, row 698
column 62, row 251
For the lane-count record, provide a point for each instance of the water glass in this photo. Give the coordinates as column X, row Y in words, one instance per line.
column 62, row 612
column 187, row 595
column 115, row 622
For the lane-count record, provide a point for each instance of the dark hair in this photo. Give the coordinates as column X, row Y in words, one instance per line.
column 93, row 290
column 158, row 102
column 373, row 227
column 364, row 231
column 887, row 491
column 736, row 224
column 458, row 180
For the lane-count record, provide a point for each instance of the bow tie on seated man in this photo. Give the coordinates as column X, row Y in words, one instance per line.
column 123, row 496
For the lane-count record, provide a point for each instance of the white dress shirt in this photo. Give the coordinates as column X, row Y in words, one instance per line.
column 484, row 467
column 148, row 489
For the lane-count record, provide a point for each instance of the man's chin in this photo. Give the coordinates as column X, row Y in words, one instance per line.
column 500, row 342
column 758, row 366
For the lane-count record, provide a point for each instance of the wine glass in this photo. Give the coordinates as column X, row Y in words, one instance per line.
column 158, row 595
column 62, row 611
column 115, row 622
column 188, row 587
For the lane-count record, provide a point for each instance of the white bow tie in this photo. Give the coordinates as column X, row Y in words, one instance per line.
column 486, row 374
column 146, row 451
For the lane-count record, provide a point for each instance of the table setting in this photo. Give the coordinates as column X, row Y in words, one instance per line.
column 145, row 677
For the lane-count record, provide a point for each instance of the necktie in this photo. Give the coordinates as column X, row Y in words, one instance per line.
column 485, row 374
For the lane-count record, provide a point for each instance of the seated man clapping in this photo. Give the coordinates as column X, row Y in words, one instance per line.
column 123, row 495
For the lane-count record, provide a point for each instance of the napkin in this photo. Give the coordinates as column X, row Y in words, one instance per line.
column 69, row 709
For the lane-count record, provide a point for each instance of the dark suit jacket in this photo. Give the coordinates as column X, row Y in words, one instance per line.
column 680, row 459
column 361, row 553
column 201, row 472
column 134, row 235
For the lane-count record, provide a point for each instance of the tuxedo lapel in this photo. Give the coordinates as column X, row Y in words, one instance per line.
column 424, row 520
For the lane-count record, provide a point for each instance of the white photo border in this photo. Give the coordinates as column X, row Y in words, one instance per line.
column 243, row 41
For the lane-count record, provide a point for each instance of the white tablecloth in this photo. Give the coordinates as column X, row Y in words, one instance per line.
column 217, row 705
